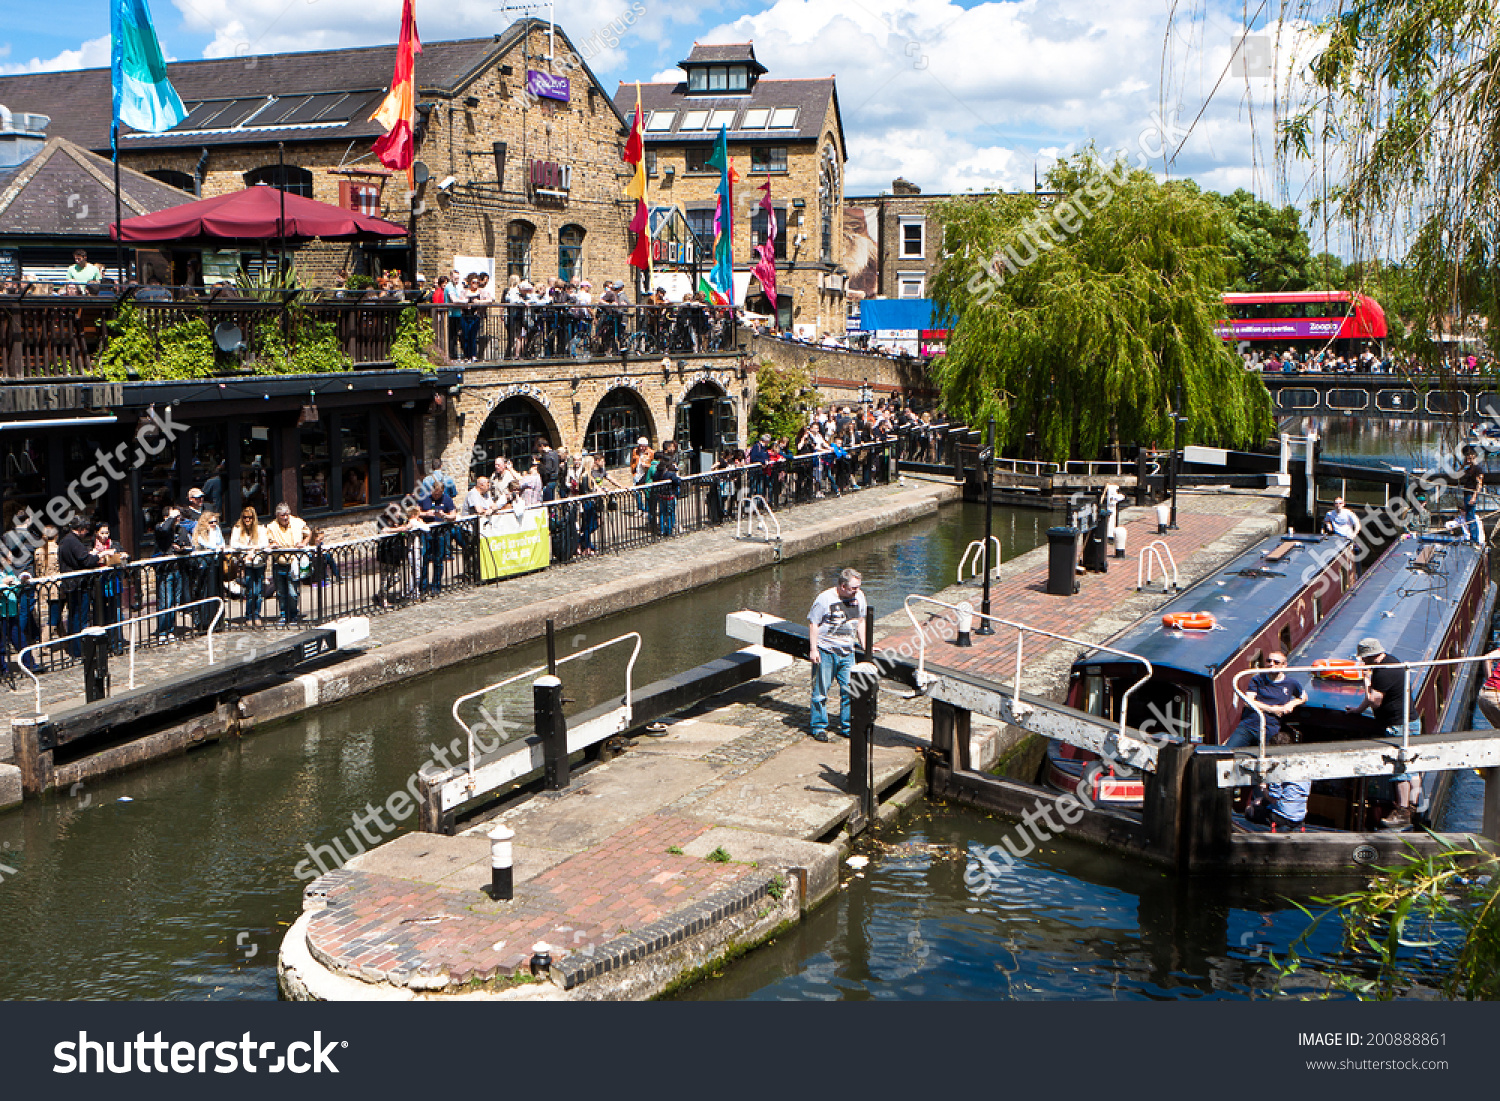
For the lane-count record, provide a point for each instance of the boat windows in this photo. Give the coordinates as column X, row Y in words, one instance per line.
column 1163, row 709
column 1285, row 638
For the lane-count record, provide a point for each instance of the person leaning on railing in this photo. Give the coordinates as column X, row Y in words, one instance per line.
column 247, row 570
column 287, row 537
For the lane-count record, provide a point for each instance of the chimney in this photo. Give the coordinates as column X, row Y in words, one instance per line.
column 904, row 187
column 22, row 136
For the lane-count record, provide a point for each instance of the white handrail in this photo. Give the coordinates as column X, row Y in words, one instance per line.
column 1021, row 629
column 629, row 671
column 219, row 614
column 1143, row 561
column 1405, row 666
column 978, row 546
column 752, row 511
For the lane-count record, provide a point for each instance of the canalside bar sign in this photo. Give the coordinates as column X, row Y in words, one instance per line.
column 547, row 86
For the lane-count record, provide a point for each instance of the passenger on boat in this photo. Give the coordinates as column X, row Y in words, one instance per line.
column 1276, row 693
column 1283, row 803
column 1383, row 689
column 1489, row 693
column 1341, row 521
column 1471, row 481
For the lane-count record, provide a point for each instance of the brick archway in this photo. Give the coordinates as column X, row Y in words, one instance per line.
column 511, row 427
column 618, row 419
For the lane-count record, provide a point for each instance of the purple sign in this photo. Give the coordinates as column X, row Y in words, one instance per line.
column 547, row 85
column 1286, row 328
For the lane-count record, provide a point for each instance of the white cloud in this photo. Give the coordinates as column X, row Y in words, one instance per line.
column 91, row 55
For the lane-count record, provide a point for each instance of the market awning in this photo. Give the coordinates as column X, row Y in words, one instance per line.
column 254, row 214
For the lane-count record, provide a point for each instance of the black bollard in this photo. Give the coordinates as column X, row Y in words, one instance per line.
column 552, row 729
column 864, row 678
column 95, row 664
column 502, row 861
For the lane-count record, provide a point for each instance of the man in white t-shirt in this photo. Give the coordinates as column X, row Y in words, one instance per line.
column 1341, row 521
column 835, row 626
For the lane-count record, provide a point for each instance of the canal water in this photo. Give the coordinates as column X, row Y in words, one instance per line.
column 177, row 880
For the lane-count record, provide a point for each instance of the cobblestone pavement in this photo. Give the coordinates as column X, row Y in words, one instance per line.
column 64, row 689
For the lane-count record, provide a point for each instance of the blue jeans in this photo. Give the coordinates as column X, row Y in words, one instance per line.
column 169, row 589
column 826, row 669
column 1472, row 528
column 667, row 514
column 254, row 585
column 288, row 589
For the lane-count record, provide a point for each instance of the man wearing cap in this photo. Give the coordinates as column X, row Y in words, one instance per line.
column 1276, row 694
column 1385, row 684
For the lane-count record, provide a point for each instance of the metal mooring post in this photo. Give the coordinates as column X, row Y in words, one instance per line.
column 502, row 861
column 552, row 729
column 551, row 648
column 95, row 664
column 865, row 679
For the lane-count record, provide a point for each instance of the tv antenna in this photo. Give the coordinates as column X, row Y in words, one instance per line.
column 536, row 5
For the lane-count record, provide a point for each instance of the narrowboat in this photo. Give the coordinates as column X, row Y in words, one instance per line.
column 1429, row 597
column 1268, row 598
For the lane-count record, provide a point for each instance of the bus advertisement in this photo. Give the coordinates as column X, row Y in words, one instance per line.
column 1339, row 321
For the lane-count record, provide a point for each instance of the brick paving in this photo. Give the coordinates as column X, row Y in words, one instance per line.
column 610, row 903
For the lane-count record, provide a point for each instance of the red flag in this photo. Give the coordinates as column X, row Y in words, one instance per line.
column 398, row 148
column 640, row 223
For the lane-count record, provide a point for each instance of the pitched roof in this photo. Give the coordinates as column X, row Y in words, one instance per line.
column 809, row 98
column 66, row 191
column 319, row 95
column 719, row 54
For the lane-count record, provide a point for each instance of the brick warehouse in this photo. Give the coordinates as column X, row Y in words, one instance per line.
column 557, row 209
column 787, row 131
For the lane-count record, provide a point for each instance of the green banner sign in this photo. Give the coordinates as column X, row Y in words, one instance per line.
column 510, row 544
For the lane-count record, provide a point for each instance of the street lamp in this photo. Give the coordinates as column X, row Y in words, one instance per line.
column 1178, row 421
column 989, row 506
column 866, row 395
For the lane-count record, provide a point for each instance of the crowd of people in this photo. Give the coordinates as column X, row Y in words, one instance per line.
column 1367, row 362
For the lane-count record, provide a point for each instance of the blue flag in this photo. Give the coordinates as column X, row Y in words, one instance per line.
column 721, row 275
column 144, row 97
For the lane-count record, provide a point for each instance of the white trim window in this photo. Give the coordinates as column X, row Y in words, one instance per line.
column 913, row 238
column 910, row 284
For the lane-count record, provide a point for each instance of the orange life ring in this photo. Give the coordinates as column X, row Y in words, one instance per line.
column 1337, row 669
column 1189, row 621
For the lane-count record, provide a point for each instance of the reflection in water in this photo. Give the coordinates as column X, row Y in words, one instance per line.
column 1070, row 922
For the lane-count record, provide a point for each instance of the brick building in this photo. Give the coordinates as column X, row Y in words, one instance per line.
column 520, row 144
column 894, row 244
column 788, row 131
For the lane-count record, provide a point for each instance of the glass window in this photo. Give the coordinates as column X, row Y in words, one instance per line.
column 173, row 178
column 518, row 249
column 910, row 286
column 512, row 430
column 755, row 118
column 693, row 120
column 758, row 232
column 784, row 118
column 23, row 463
column 256, row 468
column 697, row 158
column 569, row 252
column 721, row 118
column 697, row 80
column 209, row 450
column 739, row 78
column 651, row 163
column 354, row 460
column 316, row 469
column 718, row 78
column 660, row 121
column 290, row 178
column 394, row 465
column 911, row 239
column 768, row 158
column 701, row 222
column 618, row 421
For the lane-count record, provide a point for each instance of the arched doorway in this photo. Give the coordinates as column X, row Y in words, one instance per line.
column 706, row 425
column 512, row 430
column 619, row 420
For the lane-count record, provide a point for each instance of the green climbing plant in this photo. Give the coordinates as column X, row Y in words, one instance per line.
column 132, row 350
column 314, row 347
column 414, row 335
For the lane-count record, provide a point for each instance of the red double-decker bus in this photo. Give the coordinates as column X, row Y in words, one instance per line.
column 1339, row 322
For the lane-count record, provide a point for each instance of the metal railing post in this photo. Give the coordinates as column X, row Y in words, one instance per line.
column 552, row 729
column 95, row 664
column 862, row 711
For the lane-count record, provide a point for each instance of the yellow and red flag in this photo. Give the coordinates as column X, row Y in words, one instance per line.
column 398, row 148
column 640, row 222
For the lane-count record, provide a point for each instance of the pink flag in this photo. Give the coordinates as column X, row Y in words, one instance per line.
column 765, row 270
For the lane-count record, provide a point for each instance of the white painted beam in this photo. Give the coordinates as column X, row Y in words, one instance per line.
column 1375, row 757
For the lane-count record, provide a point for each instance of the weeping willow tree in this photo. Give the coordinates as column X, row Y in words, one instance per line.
column 1080, row 322
column 1404, row 97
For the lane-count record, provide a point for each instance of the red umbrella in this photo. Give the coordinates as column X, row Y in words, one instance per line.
column 254, row 215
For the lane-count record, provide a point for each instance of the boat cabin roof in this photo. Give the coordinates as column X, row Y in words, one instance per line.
column 1407, row 600
column 1243, row 597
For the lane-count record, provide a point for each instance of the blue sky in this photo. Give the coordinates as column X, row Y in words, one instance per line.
column 951, row 95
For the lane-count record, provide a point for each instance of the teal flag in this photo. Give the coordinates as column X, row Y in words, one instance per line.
column 721, row 275
column 144, row 97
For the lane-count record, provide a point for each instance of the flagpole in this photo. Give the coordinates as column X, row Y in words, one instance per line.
column 281, row 221
column 119, row 239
